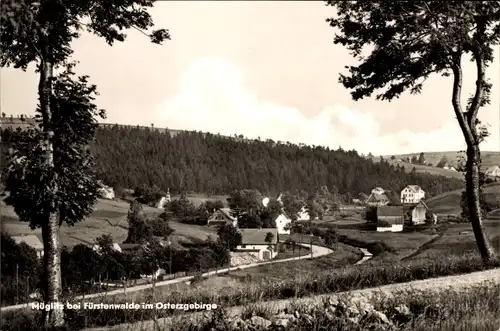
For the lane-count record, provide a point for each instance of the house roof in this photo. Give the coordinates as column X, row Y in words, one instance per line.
column 491, row 169
column 282, row 213
column 30, row 240
column 374, row 197
column 227, row 212
column 257, row 236
column 414, row 188
column 390, row 211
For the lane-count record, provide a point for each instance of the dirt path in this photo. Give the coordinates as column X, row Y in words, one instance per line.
column 423, row 247
column 458, row 282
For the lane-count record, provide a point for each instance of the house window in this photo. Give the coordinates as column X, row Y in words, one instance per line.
column 243, row 246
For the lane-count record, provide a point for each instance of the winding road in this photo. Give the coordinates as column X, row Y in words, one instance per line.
column 317, row 251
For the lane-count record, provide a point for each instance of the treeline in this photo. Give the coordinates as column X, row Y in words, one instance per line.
column 128, row 157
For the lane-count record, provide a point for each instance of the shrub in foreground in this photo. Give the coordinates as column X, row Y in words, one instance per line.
column 345, row 279
column 411, row 310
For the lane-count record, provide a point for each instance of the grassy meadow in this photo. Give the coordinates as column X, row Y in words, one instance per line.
column 449, row 202
column 108, row 217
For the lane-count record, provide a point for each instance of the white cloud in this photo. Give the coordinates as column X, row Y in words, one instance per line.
column 213, row 98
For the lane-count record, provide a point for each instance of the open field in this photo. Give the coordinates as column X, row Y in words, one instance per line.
column 459, row 238
column 423, row 168
column 489, row 158
column 109, row 217
column 198, row 199
column 449, row 202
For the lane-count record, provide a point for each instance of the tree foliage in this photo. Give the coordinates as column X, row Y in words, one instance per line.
column 229, row 236
column 27, row 177
column 399, row 45
column 129, row 156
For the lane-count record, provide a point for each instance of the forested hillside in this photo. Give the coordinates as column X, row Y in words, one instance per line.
column 128, row 157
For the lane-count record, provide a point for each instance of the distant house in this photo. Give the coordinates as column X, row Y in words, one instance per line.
column 418, row 213
column 106, row 192
column 377, row 198
column 32, row 241
column 493, row 172
column 283, row 222
column 412, row 194
column 115, row 246
column 222, row 216
column 390, row 219
column 378, row 190
column 253, row 241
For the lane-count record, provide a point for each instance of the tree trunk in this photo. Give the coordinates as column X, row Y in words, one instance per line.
column 50, row 225
column 467, row 122
column 472, row 189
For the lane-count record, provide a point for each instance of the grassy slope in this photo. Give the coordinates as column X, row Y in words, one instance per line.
column 109, row 217
column 459, row 238
column 489, row 158
column 449, row 202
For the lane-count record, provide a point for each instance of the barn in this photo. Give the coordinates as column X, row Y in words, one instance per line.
column 390, row 218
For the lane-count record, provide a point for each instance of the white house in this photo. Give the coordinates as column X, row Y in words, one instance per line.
column 283, row 221
column 378, row 190
column 106, row 192
column 412, row 194
column 115, row 246
column 222, row 216
column 253, row 241
column 493, row 172
column 164, row 200
column 32, row 241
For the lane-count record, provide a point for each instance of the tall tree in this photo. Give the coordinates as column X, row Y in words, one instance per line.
column 41, row 32
column 409, row 41
column 421, row 158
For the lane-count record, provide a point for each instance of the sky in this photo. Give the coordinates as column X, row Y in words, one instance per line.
column 261, row 69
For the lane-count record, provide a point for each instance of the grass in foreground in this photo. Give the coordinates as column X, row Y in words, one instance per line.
column 329, row 281
column 477, row 309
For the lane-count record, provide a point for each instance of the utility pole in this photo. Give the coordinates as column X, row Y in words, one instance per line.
column 170, row 253
column 311, row 245
column 17, row 283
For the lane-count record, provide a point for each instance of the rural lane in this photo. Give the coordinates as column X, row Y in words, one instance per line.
column 457, row 282
column 317, row 251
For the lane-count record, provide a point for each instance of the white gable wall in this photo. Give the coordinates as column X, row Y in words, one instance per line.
column 281, row 223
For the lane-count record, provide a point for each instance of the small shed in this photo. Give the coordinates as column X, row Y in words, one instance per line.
column 390, row 218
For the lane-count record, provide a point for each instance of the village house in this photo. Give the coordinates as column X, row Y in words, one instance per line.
column 283, row 223
column 417, row 213
column 412, row 194
column 379, row 197
column 390, row 219
column 32, row 241
column 493, row 172
column 222, row 216
column 164, row 200
column 253, row 241
column 377, row 190
column 106, row 192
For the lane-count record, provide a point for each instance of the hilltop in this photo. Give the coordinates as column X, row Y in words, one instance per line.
column 130, row 156
column 449, row 202
column 489, row 158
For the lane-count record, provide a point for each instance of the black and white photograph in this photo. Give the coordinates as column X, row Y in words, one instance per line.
column 249, row 165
